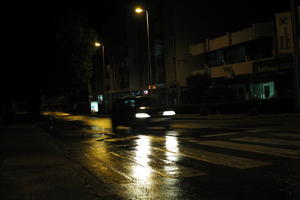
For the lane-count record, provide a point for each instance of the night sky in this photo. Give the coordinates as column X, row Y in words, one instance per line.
column 30, row 29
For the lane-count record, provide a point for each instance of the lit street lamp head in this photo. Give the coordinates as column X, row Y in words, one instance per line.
column 97, row 44
column 138, row 10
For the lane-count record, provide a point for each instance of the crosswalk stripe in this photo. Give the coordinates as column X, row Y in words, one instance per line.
column 107, row 173
column 221, row 134
column 164, row 167
column 267, row 141
column 287, row 135
column 218, row 158
column 287, row 153
column 132, row 160
column 121, row 139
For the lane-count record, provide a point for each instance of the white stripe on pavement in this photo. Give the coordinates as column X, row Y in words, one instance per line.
column 219, row 158
column 287, row 153
column 267, row 141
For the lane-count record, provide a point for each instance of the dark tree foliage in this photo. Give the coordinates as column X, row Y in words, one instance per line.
column 69, row 56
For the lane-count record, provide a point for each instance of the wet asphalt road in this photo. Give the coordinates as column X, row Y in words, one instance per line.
column 208, row 159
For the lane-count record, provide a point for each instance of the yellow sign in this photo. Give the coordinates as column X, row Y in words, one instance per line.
column 284, row 33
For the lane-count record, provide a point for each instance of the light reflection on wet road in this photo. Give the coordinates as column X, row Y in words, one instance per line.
column 178, row 164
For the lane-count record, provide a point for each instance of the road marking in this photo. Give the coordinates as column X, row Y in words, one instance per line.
column 105, row 171
column 167, row 168
column 218, row 158
column 132, row 160
column 267, row 141
column 288, row 135
column 287, row 153
column 221, row 134
column 121, row 139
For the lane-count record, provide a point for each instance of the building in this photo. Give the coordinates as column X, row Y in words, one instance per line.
column 255, row 63
column 246, row 60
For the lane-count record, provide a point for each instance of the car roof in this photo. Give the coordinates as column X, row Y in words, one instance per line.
column 134, row 97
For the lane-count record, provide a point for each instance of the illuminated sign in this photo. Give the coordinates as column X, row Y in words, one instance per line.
column 94, row 106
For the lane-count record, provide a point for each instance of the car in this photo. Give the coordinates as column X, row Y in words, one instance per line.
column 140, row 112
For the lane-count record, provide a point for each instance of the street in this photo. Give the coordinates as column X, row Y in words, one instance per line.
column 209, row 159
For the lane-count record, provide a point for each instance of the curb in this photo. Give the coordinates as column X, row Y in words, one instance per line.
column 224, row 117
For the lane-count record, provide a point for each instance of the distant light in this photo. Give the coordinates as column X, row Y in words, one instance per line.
column 146, row 92
column 94, row 106
column 97, row 44
column 100, row 97
column 169, row 113
column 143, row 107
column 139, row 10
column 142, row 115
column 153, row 87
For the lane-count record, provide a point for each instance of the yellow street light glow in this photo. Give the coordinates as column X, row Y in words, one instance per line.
column 97, row 44
column 139, row 10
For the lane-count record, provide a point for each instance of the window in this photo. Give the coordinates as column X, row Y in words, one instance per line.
column 235, row 54
column 215, row 58
column 259, row 49
column 264, row 90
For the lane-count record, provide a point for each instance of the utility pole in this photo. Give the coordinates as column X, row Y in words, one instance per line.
column 149, row 53
column 295, row 57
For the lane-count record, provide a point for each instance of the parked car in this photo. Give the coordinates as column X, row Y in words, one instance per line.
column 139, row 112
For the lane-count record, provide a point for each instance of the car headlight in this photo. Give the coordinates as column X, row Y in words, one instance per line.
column 169, row 113
column 142, row 115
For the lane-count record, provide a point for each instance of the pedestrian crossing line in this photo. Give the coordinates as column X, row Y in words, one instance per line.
column 132, row 160
column 167, row 168
column 286, row 153
column 221, row 134
column 106, row 172
column 218, row 158
column 287, row 135
column 267, row 141
column 121, row 139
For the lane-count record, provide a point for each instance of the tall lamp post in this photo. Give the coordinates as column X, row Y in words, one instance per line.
column 140, row 10
column 98, row 44
column 296, row 59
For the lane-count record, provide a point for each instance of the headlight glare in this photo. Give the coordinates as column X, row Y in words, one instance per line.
column 169, row 113
column 142, row 115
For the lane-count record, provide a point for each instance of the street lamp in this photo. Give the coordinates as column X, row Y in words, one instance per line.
column 296, row 58
column 98, row 44
column 140, row 10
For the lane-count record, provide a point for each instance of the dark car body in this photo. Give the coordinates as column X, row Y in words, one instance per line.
column 139, row 112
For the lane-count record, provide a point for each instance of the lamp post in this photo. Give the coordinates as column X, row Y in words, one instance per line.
column 296, row 59
column 98, row 44
column 140, row 10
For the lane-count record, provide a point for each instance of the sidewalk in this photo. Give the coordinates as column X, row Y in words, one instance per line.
column 233, row 116
column 33, row 167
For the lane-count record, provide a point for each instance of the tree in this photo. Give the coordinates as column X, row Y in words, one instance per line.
column 69, row 59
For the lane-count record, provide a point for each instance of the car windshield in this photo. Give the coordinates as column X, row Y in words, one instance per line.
column 141, row 102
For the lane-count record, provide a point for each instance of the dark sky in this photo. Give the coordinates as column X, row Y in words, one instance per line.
column 99, row 12
column 23, row 18
column 24, row 21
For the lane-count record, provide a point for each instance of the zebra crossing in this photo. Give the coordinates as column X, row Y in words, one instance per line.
column 144, row 157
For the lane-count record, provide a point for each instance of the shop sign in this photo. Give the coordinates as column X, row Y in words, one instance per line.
column 284, row 33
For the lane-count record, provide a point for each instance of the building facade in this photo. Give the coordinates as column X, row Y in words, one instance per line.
column 246, row 61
